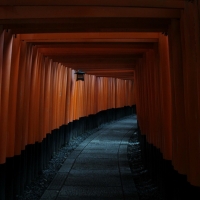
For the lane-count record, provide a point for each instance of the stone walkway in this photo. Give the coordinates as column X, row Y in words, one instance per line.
column 98, row 168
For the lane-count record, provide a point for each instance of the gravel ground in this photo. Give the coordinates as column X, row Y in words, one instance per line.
column 37, row 187
column 147, row 190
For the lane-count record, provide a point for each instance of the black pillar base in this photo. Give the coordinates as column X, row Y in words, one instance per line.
column 9, row 178
column 172, row 185
column 22, row 169
column 2, row 181
column 17, row 176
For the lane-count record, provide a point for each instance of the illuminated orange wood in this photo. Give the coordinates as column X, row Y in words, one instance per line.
column 1, row 58
column 13, row 96
column 41, row 117
column 33, row 110
column 20, row 99
column 47, row 96
column 72, row 94
column 26, row 95
column 37, row 99
column 54, row 95
column 68, row 97
column 75, row 100
column 63, row 94
column 6, row 44
column 58, row 95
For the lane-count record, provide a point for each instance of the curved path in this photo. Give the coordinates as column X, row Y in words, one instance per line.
column 98, row 168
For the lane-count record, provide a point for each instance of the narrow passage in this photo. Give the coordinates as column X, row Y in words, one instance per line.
column 98, row 168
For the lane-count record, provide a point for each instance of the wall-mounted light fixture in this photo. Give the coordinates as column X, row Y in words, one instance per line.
column 79, row 75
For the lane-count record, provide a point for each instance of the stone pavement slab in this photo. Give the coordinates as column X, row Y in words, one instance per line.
column 94, row 178
column 98, row 168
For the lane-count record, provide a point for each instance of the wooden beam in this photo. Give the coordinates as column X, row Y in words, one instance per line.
column 135, row 3
column 96, row 59
column 89, row 25
column 56, row 12
column 98, row 66
column 94, row 45
column 92, row 37
column 101, row 40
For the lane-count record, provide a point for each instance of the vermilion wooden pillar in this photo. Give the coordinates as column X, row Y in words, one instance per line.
column 26, row 95
column 158, row 103
column 75, row 101
column 64, row 93
column 138, row 91
column 191, row 49
column 5, row 86
column 6, row 41
column 143, row 91
column 20, row 99
column 51, row 98
column 179, row 133
column 128, row 93
column 1, row 58
column 48, row 65
column 2, row 163
column 13, row 96
column 91, row 88
column 33, row 97
column 117, row 94
column 99, row 94
column 72, row 93
column 102, row 94
column 54, row 95
column 100, row 98
column 156, row 97
column 68, row 97
column 38, row 99
column 84, row 91
column 165, row 97
column 143, row 103
column 121, row 93
column 149, row 100
column 59, row 95
column 114, row 93
column 41, row 99
column 109, row 93
column 133, row 91
column 145, row 83
column 88, row 89
column 81, row 100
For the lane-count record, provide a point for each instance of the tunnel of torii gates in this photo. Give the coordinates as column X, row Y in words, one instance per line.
column 141, row 53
